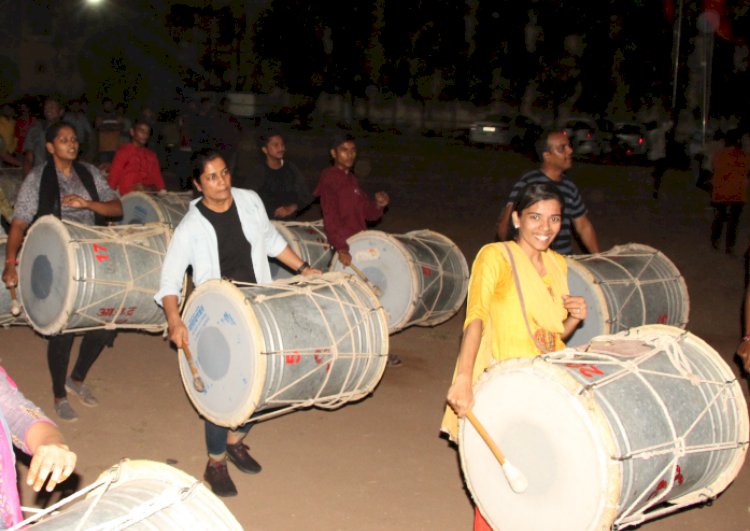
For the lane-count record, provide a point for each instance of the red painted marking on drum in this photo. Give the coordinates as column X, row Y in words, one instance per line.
column 662, row 319
column 292, row 359
column 588, row 370
column 426, row 271
column 678, row 478
column 98, row 249
column 106, row 312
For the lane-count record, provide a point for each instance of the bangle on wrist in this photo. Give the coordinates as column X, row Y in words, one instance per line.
column 11, row 261
column 745, row 338
column 301, row 268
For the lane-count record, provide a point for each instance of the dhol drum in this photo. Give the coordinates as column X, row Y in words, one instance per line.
column 10, row 182
column 295, row 343
column 629, row 285
column 636, row 426
column 308, row 240
column 6, row 302
column 421, row 277
column 75, row 277
column 142, row 495
column 161, row 207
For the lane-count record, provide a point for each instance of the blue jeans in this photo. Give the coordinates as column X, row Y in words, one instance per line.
column 216, row 437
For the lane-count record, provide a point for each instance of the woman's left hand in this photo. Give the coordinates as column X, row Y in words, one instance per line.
column 74, row 201
column 308, row 271
column 53, row 460
column 576, row 306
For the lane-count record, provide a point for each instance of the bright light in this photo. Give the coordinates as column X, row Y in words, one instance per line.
column 94, row 2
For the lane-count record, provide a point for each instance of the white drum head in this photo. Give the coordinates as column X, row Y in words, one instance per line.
column 226, row 343
column 45, row 275
column 547, row 432
column 390, row 267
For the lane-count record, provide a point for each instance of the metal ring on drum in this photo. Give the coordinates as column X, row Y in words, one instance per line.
column 75, row 277
column 635, row 426
column 156, row 207
column 308, row 241
column 629, row 285
column 139, row 494
column 262, row 350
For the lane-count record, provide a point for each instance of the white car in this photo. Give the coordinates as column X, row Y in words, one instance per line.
column 629, row 141
column 584, row 137
column 495, row 129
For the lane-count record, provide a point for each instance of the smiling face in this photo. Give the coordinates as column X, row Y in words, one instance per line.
column 538, row 224
column 64, row 147
column 215, row 183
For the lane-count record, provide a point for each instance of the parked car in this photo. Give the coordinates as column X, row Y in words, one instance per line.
column 584, row 137
column 495, row 129
column 526, row 132
column 629, row 141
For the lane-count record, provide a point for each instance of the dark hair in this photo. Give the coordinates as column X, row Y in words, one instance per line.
column 734, row 138
column 339, row 138
column 200, row 159
column 51, row 132
column 265, row 136
column 141, row 121
column 533, row 193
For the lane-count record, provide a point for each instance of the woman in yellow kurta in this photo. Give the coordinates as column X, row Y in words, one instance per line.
column 496, row 328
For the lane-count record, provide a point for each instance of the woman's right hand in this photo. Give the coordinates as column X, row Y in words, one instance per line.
column 10, row 275
column 178, row 333
column 461, row 395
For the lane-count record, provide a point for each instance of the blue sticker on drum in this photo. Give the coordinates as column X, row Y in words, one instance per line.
column 227, row 318
column 200, row 311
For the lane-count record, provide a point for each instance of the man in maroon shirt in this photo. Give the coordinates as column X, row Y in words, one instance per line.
column 346, row 207
column 135, row 167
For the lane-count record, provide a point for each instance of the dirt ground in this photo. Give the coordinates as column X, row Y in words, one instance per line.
column 380, row 464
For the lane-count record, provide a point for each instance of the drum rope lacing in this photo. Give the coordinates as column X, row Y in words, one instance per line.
column 312, row 287
column 671, row 346
column 133, row 239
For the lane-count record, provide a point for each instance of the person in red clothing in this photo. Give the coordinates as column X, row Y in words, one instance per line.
column 346, row 207
column 135, row 167
column 729, row 189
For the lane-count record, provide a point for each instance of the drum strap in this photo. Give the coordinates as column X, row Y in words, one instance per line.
column 49, row 190
column 520, row 299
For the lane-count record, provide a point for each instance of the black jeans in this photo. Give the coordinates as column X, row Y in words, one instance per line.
column 728, row 213
column 58, row 356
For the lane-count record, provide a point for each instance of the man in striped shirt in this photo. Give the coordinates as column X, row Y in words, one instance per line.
column 557, row 156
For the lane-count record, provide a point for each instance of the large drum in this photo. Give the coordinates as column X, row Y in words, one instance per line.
column 629, row 285
column 421, row 277
column 141, row 495
column 79, row 277
column 291, row 344
column 6, row 303
column 638, row 425
column 161, row 207
column 308, row 240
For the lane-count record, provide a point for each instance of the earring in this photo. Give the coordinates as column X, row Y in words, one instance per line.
column 516, row 226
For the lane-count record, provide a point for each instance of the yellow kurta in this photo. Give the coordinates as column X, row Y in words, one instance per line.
column 494, row 300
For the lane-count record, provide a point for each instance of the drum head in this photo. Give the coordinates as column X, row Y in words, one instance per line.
column 46, row 275
column 583, row 283
column 548, row 433
column 140, row 207
column 391, row 268
column 226, row 342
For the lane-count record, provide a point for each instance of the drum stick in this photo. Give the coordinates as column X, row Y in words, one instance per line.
column 360, row 274
column 517, row 481
column 15, row 308
column 197, row 382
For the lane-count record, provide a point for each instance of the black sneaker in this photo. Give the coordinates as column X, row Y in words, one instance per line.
column 239, row 455
column 217, row 476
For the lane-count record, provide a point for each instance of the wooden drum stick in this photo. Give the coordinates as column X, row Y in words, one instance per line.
column 517, row 481
column 197, row 381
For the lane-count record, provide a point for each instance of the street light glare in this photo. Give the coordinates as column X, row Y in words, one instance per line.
column 94, row 2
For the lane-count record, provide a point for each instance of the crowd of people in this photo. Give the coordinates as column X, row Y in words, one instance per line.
column 76, row 168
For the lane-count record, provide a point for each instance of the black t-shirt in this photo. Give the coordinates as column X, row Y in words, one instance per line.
column 234, row 249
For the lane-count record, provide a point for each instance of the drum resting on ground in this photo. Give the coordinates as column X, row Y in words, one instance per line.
column 630, row 428
column 139, row 495
column 75, row 277
column 629, row 285
column 421, row 277
column 301, row 342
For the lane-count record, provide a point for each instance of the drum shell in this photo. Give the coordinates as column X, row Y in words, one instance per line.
column 79, row 277
column 308, row 241
column 635, row 424
column 290, row 344
column 422, row 276
column 6, row 317
column 150, row 207
column 629, row 285
column 135, row 484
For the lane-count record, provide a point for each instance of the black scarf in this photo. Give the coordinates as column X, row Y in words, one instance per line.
column 49, row 190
